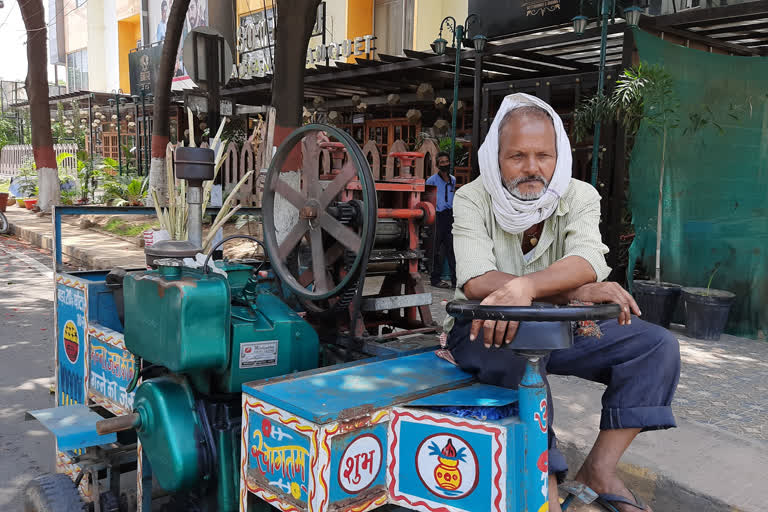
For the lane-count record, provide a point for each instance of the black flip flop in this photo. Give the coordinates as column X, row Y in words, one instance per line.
column 580, row 492
column 606, row 500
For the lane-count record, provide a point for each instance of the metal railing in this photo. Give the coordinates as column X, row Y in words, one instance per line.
column 13, row 156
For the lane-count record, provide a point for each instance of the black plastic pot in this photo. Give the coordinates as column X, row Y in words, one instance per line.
column 657, row 301
column 706, row 312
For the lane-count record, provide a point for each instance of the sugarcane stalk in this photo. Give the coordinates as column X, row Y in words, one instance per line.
column 191, row 128
column 216, row 226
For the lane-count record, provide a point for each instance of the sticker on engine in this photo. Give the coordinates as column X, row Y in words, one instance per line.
column 258, row 354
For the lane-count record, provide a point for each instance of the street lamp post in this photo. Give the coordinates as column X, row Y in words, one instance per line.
column 137, row 135
column 117, row 101
column 440, row 44
column 147, row 140
column 607, row 7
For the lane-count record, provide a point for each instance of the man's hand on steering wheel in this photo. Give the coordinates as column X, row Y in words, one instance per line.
column 608, row 292
column 517, row 292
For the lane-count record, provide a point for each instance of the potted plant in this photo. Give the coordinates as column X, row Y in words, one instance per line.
column 706, row 310
column 28, row 190
column 125, row 190
column 642, row 94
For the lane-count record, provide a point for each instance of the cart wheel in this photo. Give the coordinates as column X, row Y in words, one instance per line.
column 52, row 493
column 3, row 224
column 109, row 502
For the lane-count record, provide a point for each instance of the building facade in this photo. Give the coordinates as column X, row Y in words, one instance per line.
column 94, row 38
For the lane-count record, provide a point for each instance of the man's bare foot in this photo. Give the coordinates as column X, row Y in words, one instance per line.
column 604, row 482
column 554, row 497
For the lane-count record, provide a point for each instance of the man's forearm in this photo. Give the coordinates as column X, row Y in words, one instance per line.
column 482, row 286
column 560, row 278
column 551, row 284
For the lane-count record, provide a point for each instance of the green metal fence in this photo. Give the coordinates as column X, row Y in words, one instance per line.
column 716, row 180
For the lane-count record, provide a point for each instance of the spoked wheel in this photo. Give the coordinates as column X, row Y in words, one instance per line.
column 4, row 226
column 323, row 247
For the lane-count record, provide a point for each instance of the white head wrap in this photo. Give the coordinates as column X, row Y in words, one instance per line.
column 513, row 214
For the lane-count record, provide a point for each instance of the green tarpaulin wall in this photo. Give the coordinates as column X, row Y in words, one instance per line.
column 715, row 185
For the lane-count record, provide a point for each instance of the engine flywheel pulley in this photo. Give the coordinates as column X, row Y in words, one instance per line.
column 319, row 224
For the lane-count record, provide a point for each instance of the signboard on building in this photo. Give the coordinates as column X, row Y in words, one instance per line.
column 504, row 17
column 256, row 44
column 143, row 69
column 259, row 62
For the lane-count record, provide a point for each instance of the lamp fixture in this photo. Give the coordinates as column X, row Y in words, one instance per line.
column 580, row 24
column 479, row 42
column 632, row 15
column 440, row 45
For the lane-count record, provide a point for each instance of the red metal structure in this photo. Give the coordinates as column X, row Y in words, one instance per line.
column 402, row 301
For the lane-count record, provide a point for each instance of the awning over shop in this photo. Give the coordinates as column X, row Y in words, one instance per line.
column 740, row 29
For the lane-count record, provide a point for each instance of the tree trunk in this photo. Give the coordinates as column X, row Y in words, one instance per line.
column 295, row 19
column 660, row 209
column 37, row 90
column 160, row 129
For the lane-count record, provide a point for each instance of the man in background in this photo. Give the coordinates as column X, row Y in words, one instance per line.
column 443, row 248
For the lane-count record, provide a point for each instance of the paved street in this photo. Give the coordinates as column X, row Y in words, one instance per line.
column 26, row 366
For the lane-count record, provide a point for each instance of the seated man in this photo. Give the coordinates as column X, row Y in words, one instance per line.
column 524, row 231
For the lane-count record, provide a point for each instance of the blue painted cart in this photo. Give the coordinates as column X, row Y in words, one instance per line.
column 412, row 431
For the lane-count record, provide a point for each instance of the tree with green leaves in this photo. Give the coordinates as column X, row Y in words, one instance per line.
column 643, row 94
column 8, row 131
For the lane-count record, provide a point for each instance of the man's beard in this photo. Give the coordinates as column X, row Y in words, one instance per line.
column 513, row 187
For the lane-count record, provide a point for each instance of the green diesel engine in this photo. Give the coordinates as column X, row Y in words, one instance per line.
column 200, row 334
column 186, row 321
column 200, row 330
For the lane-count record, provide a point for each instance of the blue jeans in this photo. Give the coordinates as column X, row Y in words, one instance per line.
column 639, row 364
column 443, row 247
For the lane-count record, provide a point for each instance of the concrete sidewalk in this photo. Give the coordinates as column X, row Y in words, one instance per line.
column 87, row 248
column 714, row 461
column 717, row 457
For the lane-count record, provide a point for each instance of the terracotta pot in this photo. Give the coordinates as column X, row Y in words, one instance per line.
column 3, row 200
column 30, row 203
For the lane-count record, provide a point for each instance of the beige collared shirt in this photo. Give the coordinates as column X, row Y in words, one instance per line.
column 481, row 245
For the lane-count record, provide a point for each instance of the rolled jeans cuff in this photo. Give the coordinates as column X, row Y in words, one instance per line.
column 557, row 465
column 645, row 418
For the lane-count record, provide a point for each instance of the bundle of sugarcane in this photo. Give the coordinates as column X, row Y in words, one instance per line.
column 173, row 218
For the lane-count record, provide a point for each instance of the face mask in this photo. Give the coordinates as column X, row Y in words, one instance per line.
column 444, row 168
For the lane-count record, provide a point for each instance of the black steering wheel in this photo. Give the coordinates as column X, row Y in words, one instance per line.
column 537, row 312
column 543, row 327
